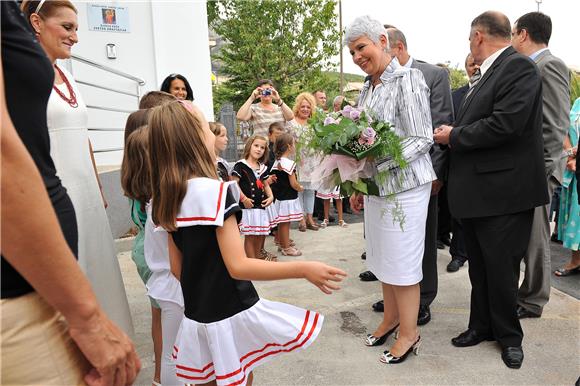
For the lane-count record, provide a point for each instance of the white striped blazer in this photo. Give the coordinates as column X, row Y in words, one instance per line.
column 402, row 99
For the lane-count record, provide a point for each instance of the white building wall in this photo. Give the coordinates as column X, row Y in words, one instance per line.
column 177, row 28
column 165, row 37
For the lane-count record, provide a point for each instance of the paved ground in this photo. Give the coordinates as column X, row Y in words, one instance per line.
column 338, row 357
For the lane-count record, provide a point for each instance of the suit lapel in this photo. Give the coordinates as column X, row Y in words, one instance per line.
column 467, row 102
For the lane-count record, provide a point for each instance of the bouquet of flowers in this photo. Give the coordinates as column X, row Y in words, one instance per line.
column 351, row 140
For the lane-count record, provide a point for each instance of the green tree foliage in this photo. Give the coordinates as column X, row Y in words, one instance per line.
column 290, row 42
column 457, row 78
column 574, row 87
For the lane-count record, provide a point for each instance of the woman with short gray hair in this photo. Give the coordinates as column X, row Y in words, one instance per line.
column 395, row 219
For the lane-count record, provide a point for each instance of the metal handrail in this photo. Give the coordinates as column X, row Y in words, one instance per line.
column 107, row 88
column 106, row 128
column 107, row 150
column 140, row 81
column 114, row 109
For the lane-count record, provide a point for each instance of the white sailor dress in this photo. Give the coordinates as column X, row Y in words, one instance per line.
column 287, row 203
column 329, row 194
column 256, row 220
column 162, row 284
column 227, row 330
column 223, row 168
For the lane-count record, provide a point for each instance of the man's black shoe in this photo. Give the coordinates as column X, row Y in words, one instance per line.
column 454, row 265
column 523, row 313
column 364, row 255
column 470, row 338
column 440, row 244
column 367, row 276
column 512, row 357
column 379, row 306
column 424, row 315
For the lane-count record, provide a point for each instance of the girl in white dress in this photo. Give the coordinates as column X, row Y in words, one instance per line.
column 71, row 152
column 227, row 330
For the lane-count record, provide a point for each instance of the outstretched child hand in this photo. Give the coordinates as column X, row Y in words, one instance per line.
column 323, row 276
column 266, row 203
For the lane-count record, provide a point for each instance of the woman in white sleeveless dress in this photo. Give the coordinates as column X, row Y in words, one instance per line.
column 71, row 151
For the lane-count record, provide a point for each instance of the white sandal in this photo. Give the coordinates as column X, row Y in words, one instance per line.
column 324, row 223
column 291, row 251
column 342, row 224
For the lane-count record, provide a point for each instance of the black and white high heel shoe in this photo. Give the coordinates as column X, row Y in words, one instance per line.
column 389, row 358
column 372, row 340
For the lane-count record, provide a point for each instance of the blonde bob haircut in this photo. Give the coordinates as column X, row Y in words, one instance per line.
column 304, row 96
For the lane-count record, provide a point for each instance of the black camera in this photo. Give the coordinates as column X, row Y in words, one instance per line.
column 266, row 92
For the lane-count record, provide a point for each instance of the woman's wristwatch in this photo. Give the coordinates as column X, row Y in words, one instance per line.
column 280, row 102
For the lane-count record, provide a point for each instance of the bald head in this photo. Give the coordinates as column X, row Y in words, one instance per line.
column 396, row 36
column 490, row 32
column 494, row 24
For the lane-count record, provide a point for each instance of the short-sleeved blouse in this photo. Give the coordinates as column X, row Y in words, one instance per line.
column 262, row 118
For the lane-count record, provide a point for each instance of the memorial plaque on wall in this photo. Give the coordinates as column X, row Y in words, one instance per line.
column 108, row 18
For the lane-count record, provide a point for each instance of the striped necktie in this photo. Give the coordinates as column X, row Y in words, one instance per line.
column 473, row 82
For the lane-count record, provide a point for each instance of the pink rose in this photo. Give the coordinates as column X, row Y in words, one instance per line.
column 329, row 120
column 355, row 114
column 367, row 137
column 346, row 111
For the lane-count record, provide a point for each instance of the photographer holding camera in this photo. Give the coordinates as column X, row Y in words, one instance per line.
column 270, row 109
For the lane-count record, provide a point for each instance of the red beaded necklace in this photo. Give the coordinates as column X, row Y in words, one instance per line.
column 72, row 101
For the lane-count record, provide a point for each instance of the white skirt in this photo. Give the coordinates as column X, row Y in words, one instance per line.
column 258, row 221
column 289, row 210
column 395, row 256
column 328, row 194
column 230, row 349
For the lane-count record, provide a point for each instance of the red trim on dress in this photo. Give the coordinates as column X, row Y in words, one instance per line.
column 280, row 167
column 254, row 226
column 219, row 204
column 243, row 368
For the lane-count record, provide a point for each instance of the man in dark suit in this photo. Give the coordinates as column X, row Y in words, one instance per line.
column 457, row 248
column 530, row 36
column 441, row 105
column 458, row 94
column 496, row 179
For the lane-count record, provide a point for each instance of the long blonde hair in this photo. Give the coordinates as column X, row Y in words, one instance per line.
column 177, row 152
